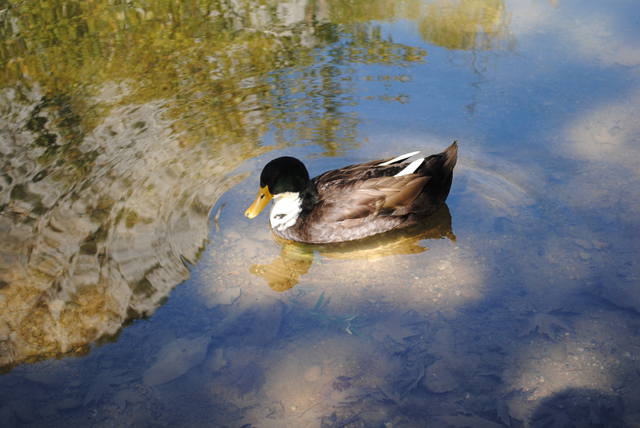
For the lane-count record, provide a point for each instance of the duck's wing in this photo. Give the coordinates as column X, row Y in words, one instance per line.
column 381, row 196
column 390, row 188
column 366, row 171
column 358, row 172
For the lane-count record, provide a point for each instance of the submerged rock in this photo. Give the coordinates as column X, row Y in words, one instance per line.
column 439, row 379
column 175, row 359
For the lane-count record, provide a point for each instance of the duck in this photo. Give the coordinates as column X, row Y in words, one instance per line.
column 356, row 201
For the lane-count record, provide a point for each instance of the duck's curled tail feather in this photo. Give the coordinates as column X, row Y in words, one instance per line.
column 451, row 156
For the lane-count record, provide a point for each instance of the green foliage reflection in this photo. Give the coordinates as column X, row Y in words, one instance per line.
column 230, row 69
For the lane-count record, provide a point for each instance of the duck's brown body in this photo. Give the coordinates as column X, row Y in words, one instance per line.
column 366, row 199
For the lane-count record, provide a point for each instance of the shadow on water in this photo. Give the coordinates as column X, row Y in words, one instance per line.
column 295, row 259
column 577, row 407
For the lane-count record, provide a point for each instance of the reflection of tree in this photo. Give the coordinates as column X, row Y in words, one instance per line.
column 464, row 24
column 87, row 247
column 452, row 24
column 120, row 123
column 218, row 60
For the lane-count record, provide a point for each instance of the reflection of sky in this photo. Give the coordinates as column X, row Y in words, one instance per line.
column 432, row 104
column 561, row 64
column 593, row 32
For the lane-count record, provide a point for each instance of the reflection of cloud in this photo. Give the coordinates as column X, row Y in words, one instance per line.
column 605, row 141
column 607, row 136
column 600, row 38
column 530, row 16
column 608, row 132
column 593, row 34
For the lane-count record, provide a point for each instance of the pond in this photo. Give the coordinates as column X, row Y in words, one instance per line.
column 133, row 291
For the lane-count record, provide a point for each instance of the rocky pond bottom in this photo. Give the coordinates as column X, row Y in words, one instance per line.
column 453, row 325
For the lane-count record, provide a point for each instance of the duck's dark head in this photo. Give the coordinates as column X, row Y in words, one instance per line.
column 280, row 176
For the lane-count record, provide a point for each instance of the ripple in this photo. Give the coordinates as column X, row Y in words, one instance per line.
column 104, row 235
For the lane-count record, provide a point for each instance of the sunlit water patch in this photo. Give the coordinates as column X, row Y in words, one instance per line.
column 420, row 267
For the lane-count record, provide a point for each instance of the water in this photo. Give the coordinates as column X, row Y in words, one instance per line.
column 133, row 291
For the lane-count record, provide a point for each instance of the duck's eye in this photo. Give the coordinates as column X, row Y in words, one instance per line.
column 262, row 196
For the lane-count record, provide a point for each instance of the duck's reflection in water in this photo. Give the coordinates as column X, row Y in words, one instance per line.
column 295, row 259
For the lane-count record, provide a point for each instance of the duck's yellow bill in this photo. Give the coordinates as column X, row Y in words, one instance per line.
column 263, row 198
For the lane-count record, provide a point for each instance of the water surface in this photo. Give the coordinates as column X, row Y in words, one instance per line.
column 133, row 291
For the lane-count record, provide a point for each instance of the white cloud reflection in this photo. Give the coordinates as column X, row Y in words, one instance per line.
column 608, row 132
column 594, row 34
